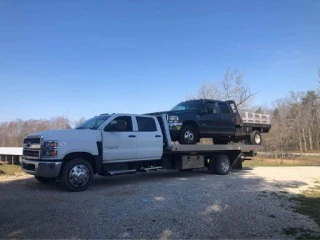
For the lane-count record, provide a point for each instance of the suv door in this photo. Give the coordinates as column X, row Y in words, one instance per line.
column 119, row 140
column 209, row 120
column 149, row 138
column 227, row 118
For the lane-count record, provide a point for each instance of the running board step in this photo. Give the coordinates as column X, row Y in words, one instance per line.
column 149, row 169
column 118, row 172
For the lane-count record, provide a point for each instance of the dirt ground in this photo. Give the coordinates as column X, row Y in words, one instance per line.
column 251, row 203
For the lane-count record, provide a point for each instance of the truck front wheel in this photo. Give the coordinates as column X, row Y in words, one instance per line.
column 45, row 179
column 76, row 175
column 188, row 135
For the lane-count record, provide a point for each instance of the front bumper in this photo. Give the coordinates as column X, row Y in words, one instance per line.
column 41, row 168
column 175, row 126
column 174, row 129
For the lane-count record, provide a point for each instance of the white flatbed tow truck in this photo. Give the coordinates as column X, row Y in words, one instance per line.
column 112, row 144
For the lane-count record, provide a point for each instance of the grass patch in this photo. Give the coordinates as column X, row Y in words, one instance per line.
column 7, row 169
column 308, row 203
column 272, row 162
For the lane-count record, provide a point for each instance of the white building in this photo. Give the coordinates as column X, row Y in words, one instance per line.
column 11, row 155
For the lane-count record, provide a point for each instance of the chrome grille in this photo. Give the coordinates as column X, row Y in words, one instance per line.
column 31, row 153
column 32, row 147
column 32, row 140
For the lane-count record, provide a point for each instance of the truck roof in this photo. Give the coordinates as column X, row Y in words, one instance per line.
column 204, row 100
column 125, row 114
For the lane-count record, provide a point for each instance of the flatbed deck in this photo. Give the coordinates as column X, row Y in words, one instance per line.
column 212, row 148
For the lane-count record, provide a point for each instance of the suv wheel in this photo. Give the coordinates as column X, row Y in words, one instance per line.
column 188, row 135
column 255, row 138
column 76, row 175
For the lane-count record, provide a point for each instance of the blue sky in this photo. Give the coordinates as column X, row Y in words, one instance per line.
column 81, row 58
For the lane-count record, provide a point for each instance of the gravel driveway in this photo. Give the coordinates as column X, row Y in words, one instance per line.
column 162, row 204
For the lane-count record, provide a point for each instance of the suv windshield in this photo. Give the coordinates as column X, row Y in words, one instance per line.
column 185, row 106
column 93, row 123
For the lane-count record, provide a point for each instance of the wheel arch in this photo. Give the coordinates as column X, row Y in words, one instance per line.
column 82, row 155
column 193, row 124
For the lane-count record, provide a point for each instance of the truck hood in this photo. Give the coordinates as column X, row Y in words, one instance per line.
column 69, row 134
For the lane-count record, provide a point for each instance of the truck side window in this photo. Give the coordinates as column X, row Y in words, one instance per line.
column 224, row 108
column 127, row 127
column 146, row 124
column 233, row 107
column 211, row 108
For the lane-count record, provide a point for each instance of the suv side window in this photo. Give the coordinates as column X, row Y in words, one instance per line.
column 127, row 127
column 211, row 108
column 233, row 107
column 146, row 124
column 224, row 108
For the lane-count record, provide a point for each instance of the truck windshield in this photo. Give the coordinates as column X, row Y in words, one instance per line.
column 186, row 106
column 93, row 123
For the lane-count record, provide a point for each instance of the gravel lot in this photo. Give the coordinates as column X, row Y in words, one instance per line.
column 162, row 204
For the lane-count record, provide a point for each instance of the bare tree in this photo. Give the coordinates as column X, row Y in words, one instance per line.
column 78, row 122
column 13, row 132
column 232, row 87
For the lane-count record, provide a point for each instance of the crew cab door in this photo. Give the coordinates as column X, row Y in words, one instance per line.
column 149, row 138
column 209, row 120
column 119, row 140
column 227, row 118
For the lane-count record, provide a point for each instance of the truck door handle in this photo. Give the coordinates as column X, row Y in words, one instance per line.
column 158, row 136
column 131, row 136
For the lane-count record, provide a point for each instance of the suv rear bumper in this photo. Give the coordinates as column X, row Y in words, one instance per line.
column 41, row 168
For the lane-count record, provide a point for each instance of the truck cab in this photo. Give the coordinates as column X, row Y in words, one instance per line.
column 103, row 139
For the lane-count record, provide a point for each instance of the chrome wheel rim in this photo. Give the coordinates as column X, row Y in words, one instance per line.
column 257, row 138
column 225, row 165
column 79, row 175
column 188, row 136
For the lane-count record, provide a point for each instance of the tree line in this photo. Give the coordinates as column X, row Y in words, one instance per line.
column 295, row 118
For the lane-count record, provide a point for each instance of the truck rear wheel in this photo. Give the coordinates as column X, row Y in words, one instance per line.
column 255, row 138
column 188, row 135
column 222, row 164
column 76, row 175
column 45, row 179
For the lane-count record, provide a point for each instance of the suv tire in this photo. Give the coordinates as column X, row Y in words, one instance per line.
column 188, row 135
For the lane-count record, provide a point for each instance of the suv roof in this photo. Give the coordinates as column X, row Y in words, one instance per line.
column 204, row 100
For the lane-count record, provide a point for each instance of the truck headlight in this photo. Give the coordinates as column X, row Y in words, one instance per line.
column 49, row 153
column 50, row 144
column 173, row 119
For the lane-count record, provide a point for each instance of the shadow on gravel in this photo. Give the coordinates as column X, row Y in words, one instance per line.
column 162, row 204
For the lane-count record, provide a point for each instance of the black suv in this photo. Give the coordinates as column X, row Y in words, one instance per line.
column 205, row 118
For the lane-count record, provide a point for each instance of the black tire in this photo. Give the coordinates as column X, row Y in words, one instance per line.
column 188, row 135
column 211, row 166
column 255, row 138
column 222, row 164
column 45, row 179
column 79, row 166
